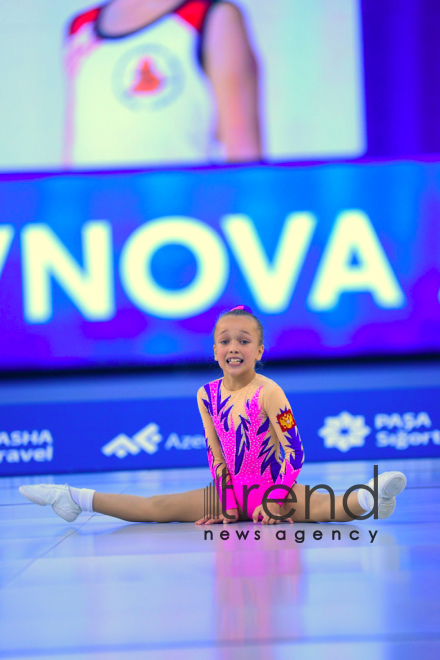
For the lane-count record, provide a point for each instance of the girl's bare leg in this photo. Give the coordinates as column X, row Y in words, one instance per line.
column 320, row 510
column 178, row 507
column 189, row 507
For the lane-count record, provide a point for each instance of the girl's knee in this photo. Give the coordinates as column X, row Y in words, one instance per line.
column 159, row 503
column 317, row 507
column 162, row 508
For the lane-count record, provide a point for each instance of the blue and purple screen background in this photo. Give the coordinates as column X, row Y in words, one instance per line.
column 401, row 201
column 394, row 183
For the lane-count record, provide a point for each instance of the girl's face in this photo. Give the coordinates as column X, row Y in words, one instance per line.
column 237, row 345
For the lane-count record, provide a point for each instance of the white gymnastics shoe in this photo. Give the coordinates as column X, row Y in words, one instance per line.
column 390, row 484
column 58, row 496
column 386, row 507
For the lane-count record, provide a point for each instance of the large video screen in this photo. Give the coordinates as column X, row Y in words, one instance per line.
column 133, row 269
column 149, row 178
column 123, row 84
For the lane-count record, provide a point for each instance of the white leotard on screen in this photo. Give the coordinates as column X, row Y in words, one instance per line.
column 141, row 98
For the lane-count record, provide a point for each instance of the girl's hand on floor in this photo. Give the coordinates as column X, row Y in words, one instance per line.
column 210, row 520
column 268, row 520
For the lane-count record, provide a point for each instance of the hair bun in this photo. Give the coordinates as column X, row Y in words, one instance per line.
column 245, row 308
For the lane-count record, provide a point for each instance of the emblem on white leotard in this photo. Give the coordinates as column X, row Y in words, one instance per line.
column 148, row 78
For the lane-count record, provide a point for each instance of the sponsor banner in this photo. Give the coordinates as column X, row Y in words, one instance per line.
column 337, row 260
column 167, row 433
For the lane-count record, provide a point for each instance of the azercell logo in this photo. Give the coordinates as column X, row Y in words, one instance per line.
column 147, row 439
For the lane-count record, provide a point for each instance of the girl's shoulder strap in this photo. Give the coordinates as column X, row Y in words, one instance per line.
column 88, row 17
column 194, row 12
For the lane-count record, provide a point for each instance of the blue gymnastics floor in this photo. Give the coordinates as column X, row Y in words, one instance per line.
column 105, row 589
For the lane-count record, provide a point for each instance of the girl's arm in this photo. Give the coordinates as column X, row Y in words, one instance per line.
column 284, row 460
column 291, row 451
column 215, row 456
column 232, row 68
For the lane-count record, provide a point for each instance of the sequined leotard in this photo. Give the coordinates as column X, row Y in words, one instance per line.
column 252, row 433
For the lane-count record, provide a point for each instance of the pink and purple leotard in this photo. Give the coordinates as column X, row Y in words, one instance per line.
column 252, row 433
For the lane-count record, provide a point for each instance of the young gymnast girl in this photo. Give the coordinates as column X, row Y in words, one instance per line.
column 253, row 444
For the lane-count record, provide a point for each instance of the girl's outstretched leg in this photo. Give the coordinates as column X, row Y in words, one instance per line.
column 319, row 509
column 178, row 507
column 318, row 506
column 69, row 502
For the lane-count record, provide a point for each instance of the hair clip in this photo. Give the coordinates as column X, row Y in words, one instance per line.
column 245, row 308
